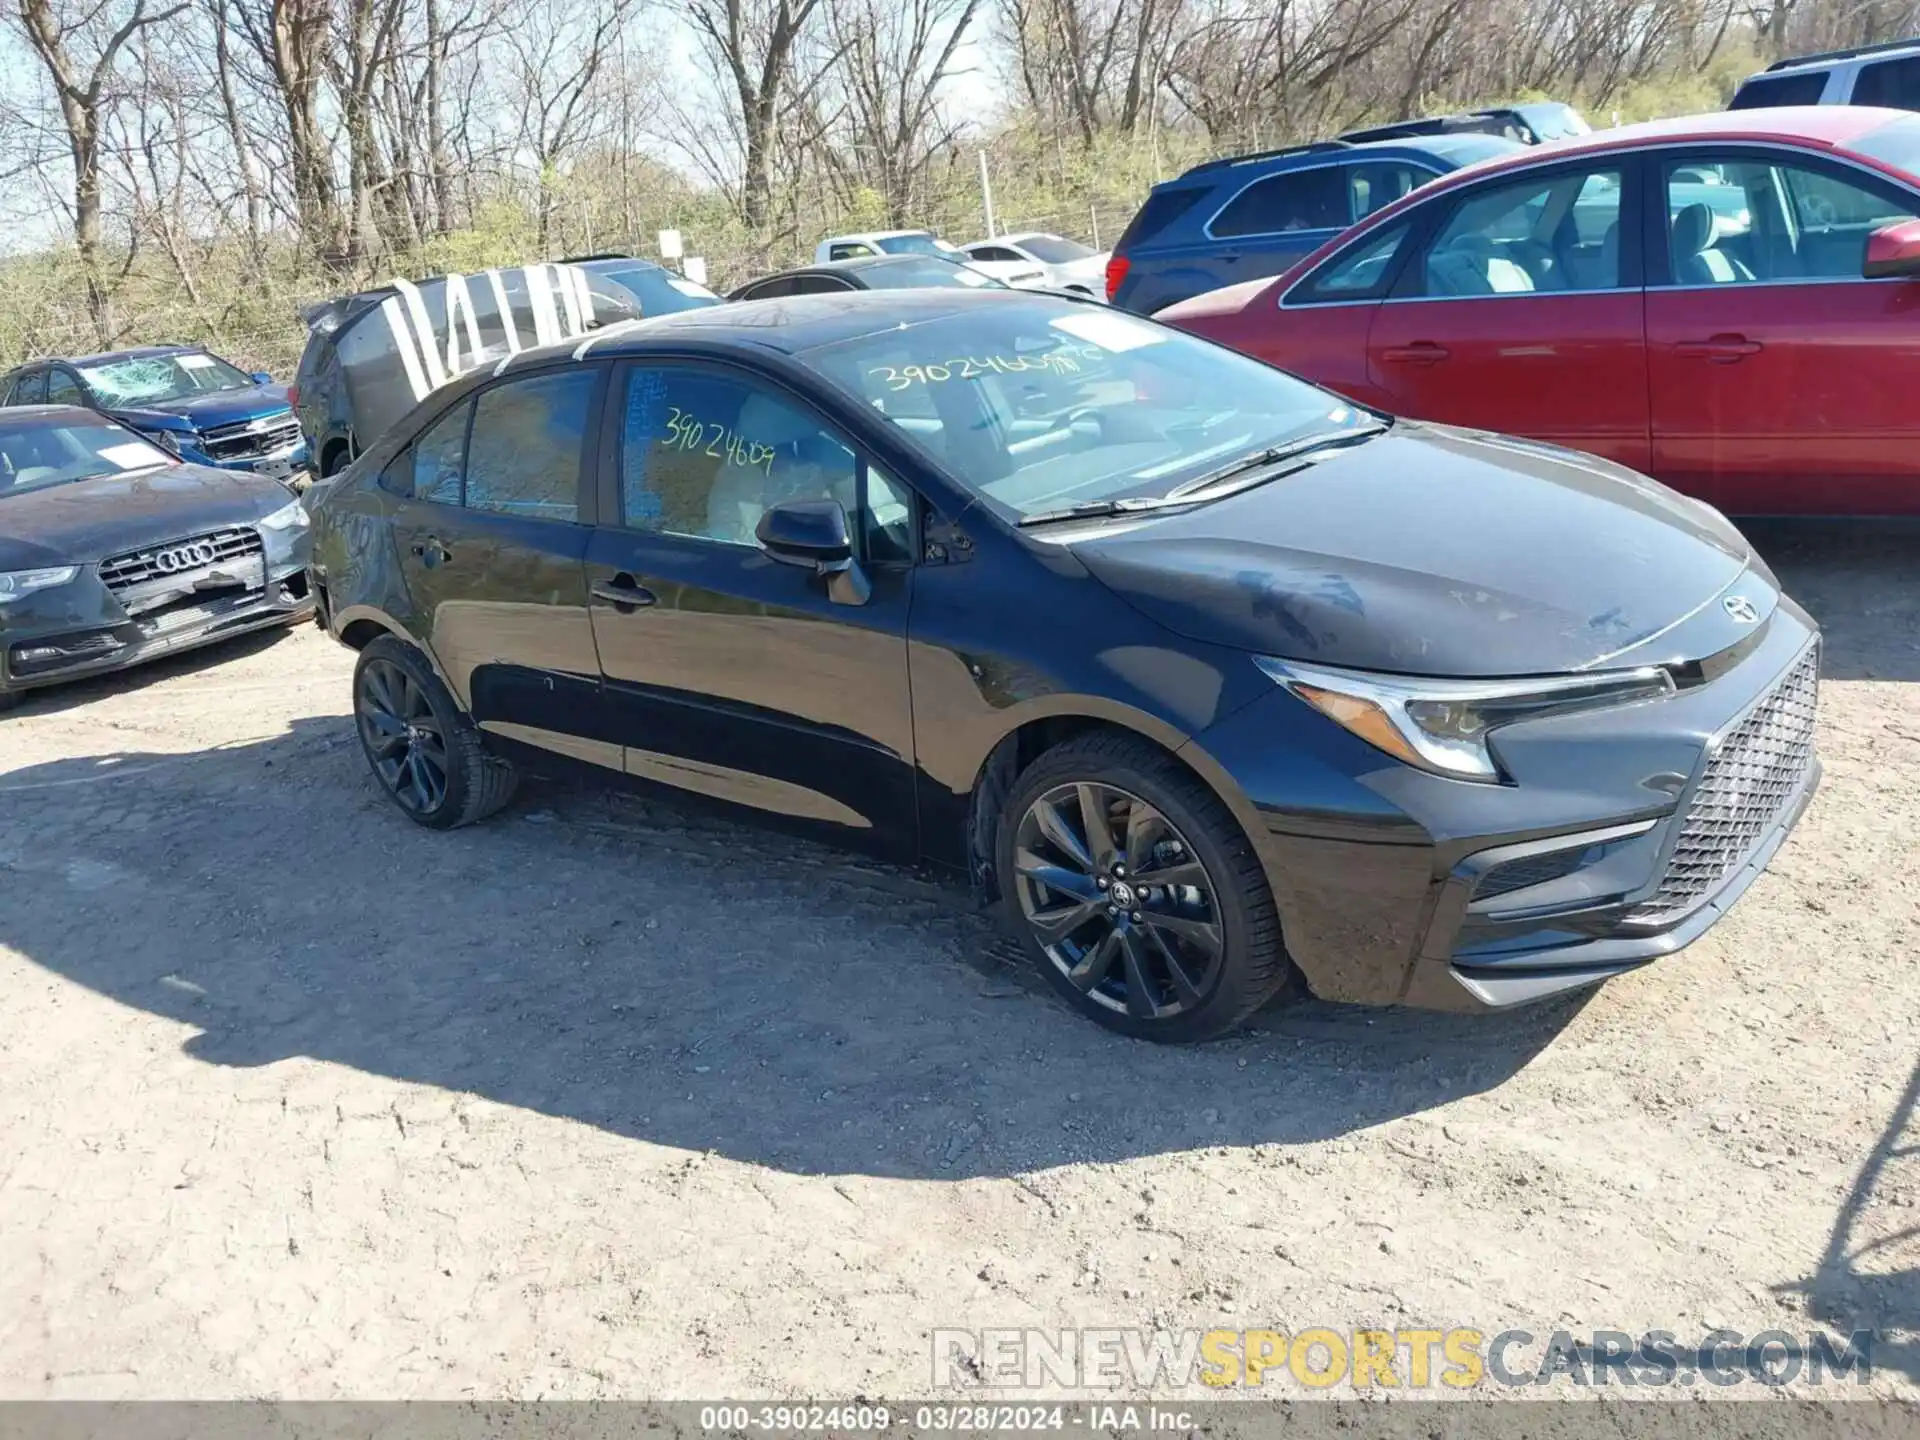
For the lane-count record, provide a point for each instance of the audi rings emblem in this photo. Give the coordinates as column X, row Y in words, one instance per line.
column 184, row 557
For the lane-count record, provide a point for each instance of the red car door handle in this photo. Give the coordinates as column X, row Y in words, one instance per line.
column 1721, row 349
column 1422, row 352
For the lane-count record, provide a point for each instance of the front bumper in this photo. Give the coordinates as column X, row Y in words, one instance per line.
column 1400, row 887
column 79, row 629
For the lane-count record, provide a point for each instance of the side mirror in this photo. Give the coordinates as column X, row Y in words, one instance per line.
column 1893, row 251
column 261, row 377
column 813, row 534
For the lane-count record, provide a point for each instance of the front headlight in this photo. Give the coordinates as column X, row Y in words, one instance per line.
column 15, row 583
column 289, row 516
column 1443, row 725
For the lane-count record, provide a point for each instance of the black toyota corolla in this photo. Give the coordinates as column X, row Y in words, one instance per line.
column 113, row 552
column 1213, row 681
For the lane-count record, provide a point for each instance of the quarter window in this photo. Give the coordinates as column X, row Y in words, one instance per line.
column 705, row 455
column 1362, row 272
column 1892, row 83
column 438, row 457
column 528, row 440
column 1545, row 235
column 1743, row 220
column 1313, row 199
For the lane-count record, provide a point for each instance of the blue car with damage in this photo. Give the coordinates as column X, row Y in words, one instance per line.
column 191, row 403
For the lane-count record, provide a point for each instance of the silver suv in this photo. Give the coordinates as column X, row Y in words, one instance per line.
column 1887, row 75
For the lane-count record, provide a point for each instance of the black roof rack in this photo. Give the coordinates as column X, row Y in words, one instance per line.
column 1847, row 54
column 1491, row 122
column 1226, row 160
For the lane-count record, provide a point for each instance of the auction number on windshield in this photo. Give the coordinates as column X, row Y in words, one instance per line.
column 685, row 433
column 1062, row 361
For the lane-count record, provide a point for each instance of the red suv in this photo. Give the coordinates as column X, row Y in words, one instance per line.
column 1730, row 303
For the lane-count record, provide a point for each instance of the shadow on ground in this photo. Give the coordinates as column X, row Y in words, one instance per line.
column 71, row 696
column 1861, row 581
column 639, row 967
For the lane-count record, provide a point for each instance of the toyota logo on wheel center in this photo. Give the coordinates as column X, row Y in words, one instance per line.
column 183, row 557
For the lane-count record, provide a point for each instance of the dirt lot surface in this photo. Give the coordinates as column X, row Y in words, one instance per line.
column 606, row 1098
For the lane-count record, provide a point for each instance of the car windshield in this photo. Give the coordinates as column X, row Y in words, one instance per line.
column 1053, row 250
column 912, row 274
column 919, row 242
column 1896, row 143
column 659, row 292
column 1044, row 405
column 140, row 379
column 37, row 453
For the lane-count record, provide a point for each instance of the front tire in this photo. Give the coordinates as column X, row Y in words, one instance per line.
column 424, row 752
column 1136, row 893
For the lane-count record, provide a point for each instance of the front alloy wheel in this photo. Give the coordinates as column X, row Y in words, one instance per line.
column 1136, row 892
column 1117, row 900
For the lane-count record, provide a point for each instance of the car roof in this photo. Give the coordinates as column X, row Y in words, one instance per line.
column 872, row 235
column 791, row 324
column 1831, row 125
column 1827, row 59
column 137, row 352
column 53, row 412
column 606, row 264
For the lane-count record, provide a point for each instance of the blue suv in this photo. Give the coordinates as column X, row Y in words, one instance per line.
column 1247, row 217
column 191, row 404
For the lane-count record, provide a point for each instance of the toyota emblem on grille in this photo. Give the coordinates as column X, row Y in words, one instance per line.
column 1741, row 609
column 184, row 557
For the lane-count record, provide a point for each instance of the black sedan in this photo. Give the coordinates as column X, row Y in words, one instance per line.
column 1215, row 681
column 113, row 552
column 869, row 272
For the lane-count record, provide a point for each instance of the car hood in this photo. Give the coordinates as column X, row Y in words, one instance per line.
column 221, row 407
column 1433, row 551
column 87, row 520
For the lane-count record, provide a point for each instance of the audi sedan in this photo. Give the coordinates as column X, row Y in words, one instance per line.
column 112, row 552
column 1724, row 302
column 1215, row 683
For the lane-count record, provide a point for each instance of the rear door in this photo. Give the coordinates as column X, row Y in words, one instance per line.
column 1782, row 380
column 492, row 538
column 1521, row 311
column 728, row 674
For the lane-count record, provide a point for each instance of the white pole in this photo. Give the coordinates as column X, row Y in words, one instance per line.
column 986, row 194
column 1093, row 212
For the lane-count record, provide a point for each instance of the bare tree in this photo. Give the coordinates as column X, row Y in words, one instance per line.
column 80, row 47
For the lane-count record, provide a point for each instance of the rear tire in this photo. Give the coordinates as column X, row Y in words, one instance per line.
column 1194, row 945
column 424, row 752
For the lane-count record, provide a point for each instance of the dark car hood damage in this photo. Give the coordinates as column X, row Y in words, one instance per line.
column 218, row 407
column 1433, row 551
column 87, row 520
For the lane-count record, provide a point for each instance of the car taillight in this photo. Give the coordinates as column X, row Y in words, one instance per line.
column 1116, row 273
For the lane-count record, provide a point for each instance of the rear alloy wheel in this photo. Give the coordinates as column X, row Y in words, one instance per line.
column 1138, row 896
column 423, row 751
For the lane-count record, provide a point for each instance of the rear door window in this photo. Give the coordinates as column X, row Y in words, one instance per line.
column 1379, row 183
column 30, row 389
column 1313, row 199
column 1765, row 91
column 527, row 445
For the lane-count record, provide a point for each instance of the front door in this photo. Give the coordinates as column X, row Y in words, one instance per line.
column 492, row 548
column 727, row 673
column 1522, row 313
column 1783, row 381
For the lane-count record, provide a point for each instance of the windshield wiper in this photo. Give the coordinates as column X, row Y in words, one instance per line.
column 1272, row 455
column 1092, row 509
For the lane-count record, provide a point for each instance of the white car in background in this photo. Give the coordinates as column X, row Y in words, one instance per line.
column 1037, row 260
column 884, row 242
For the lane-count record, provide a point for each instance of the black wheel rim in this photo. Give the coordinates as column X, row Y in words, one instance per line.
column 1118, row 900
column 404, row 738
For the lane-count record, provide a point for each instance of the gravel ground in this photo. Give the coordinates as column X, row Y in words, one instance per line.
column 607, row 1099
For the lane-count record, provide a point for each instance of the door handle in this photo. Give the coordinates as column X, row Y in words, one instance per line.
column 1721, row 349
column 431, row 551
column 622, row 592
column 1421, row 352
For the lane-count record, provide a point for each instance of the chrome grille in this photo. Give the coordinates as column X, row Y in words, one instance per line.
column 248, row 439
column 1755, row 769
column 179, row 557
